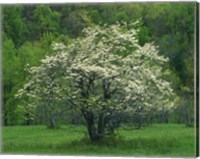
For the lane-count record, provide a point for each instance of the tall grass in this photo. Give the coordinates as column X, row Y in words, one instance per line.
column 156, row 140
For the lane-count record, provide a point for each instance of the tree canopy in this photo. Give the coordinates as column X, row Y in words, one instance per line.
column 101, row 75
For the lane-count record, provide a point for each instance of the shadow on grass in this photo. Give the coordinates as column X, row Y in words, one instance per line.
column 117, row 145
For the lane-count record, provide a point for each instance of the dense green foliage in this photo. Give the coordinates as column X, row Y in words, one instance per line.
column 28, row 32
column 156, row 140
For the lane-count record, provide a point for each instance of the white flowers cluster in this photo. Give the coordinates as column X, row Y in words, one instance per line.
column 58, row 46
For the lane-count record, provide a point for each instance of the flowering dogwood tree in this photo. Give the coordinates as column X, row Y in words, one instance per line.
column 101, row 75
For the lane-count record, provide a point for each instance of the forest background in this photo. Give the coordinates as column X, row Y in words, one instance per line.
column 29, row 31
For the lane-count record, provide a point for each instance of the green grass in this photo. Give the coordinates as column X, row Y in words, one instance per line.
column 156, row 140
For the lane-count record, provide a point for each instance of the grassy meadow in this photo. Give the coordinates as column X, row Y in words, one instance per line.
column 155, row 140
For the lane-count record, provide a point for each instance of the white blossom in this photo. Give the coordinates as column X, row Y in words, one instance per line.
column 108, row 59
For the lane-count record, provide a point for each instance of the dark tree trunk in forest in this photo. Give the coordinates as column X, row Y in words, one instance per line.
column 52, row 121
column 164, row 115
column 28, row 121
column 5, row 122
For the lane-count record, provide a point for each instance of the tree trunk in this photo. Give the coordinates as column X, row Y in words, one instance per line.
column 28, row 121
column 101, row 124
column 94, row 134
column 89, row 117
column 52, row 121
column 5, row 120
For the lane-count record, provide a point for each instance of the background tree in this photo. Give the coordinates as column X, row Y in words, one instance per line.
column 14, row 24
column 46, row 20
column 43, row 91
column 175, row 36
column 10, row 80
